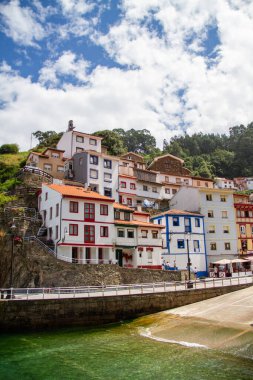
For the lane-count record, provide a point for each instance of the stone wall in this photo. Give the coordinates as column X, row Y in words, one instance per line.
column 44, row 314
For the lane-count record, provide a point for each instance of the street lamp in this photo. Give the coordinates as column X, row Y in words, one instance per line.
column 189, row 284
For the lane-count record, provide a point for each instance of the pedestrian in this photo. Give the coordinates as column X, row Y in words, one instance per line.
column 175, row 265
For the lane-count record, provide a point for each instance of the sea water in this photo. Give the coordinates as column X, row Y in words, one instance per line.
column 127, row 350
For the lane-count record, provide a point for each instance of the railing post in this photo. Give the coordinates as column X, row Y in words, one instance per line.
column 58, row 292
column 175, row 286
column 27, row 292
column 153, row 288
column 88, row 291
column 141, row 289
column 116, row 290
column 11, row 293
column 213, row 283
column 103, row 290
column 43, row 293
column 222, row 282
column 74, row 296
column 164, row 286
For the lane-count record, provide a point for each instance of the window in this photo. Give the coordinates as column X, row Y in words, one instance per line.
column 132, row 186
column 103, row 209
column 130, row 234
column 107, row 192
column 226, row 229
column 94, row 160
column 55, row 155
column 175, row 221
column 145, row 188
column 107, row 177
column 154, row 234
column 79, row 139
column 209, row 197
column 89, row 212
column 242, row 229
column 73, row 206
column 126, row 215
column 196, row 245
column 73, row 229
column 211, row 229
column 116, row 215
column 154, row 189
column 174, row 191
column 107, row 164
column 57, row 210
column 224, row 214
column 180, row 243
column 89, row 234
column 144, row 234
column 197, row 222
column 48, row 167
column 104, row 231
column 121, row 233
column 227, row 246
column 213, row 246
column 223, row 198
column 123, row 184
column 79, row 150
column 210, row 213
column 129, row 201
column 93, row 174
column 93, row 142
column 167, row 179
column 167, row 191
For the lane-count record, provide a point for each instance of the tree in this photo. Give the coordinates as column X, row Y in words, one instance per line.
column 9, row 148
column 47, row 139
column 112, row 141
column 138, row 141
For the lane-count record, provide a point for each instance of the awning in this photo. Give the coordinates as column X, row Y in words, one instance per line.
column 240, row 260
column 222, row 262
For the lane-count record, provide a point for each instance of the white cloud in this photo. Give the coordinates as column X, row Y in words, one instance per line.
column 20, row 24
column 160, row 64
column 67, row 65
column 80, row 7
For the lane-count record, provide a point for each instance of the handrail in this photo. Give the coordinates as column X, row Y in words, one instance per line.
column 35, row 170
column 34, row 238
column 17, row 294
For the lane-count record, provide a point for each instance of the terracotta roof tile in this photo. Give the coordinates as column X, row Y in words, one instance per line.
column 122, row 207
column 177, row 212
column 79, row 192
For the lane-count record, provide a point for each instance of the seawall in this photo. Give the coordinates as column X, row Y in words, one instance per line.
column 54, row 313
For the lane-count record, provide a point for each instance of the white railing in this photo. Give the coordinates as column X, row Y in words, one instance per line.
column 86, row 261
column 18, row 294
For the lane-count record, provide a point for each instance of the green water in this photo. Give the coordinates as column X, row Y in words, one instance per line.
column 113, row 352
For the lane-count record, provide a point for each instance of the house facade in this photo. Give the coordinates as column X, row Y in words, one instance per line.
column 95, row 170
column 51, row 160
column 169, row 164
column 73, row 142
column 217, row 206
column 183, row 240
column 224, row 183
column 244, row 223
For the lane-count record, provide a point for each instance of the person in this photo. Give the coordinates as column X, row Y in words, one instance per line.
column 216, row 271
column 175, row 265
column 195, row 273
column 163, row 265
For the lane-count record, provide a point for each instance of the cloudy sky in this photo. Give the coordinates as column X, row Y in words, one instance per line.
column 166, row 65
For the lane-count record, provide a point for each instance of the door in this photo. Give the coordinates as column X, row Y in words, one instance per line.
column 74, row 255
column 119, row 257
column 100, row 255
column 87, row 255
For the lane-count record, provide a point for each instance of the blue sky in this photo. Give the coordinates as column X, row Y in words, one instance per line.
column 166, row 65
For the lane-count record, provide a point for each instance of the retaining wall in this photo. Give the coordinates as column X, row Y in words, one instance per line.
column 44, row 314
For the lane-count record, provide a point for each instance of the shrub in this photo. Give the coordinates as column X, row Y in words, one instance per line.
column 9, row 148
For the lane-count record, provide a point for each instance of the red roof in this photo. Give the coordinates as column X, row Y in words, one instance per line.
column 177, row 212
column 79, row 192
column 122, row 207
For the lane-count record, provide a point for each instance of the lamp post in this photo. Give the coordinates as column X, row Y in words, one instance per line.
column 189, row 284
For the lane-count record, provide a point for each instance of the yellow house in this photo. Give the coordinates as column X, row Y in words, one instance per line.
column 51, row 160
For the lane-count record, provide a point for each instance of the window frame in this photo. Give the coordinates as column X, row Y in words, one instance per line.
column 103, row 209
column 73, row 207
column 94, row 160
column 95, row 171
column 104, row 231
column 129, row 232
column 73, row 229
column 89, row 237
column 106, row 166
column 175, row 221
column 180, row 242
column 93, row 142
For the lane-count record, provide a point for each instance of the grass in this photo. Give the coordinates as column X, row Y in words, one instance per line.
column 13, row 159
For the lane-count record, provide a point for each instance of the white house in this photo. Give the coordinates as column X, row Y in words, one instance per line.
column 184, row 240
column 224, row 183
column 73, row 142
column 80, row 223
column 138, row 241
column 220, row 223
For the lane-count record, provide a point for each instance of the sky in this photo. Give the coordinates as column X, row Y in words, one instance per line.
column 169, row 66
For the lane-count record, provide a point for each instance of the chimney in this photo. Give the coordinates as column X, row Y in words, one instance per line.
column 70, row 126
